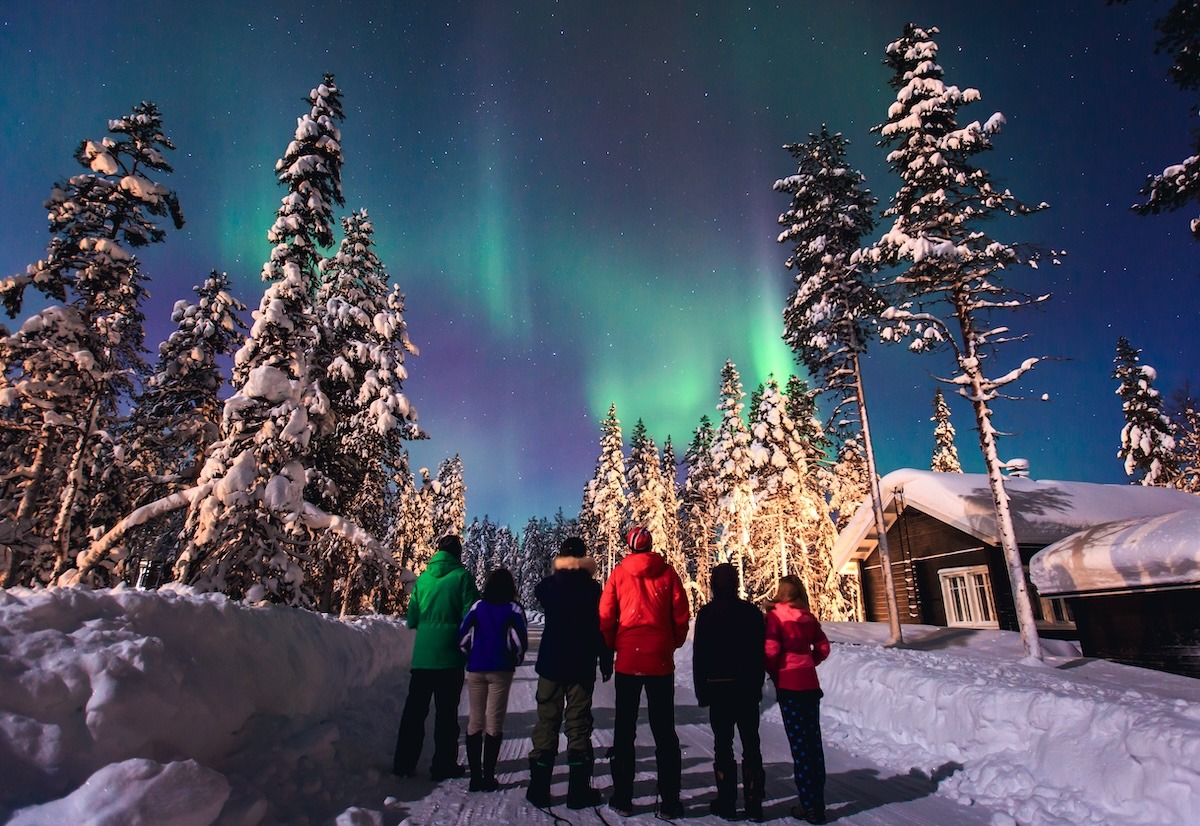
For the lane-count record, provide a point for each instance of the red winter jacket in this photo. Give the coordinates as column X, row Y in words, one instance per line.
column 795, row 646
column 644, row 615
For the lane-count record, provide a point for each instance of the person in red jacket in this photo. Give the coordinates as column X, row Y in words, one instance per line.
column 794, row 647
column 644, row 618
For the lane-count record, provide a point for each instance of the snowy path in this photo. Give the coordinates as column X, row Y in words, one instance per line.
column 858, row 791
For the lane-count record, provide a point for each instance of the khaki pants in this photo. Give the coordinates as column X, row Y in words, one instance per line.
column 554, row 702
column 487, row 701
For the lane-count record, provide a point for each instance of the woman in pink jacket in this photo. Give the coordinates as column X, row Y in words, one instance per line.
column 795, row 645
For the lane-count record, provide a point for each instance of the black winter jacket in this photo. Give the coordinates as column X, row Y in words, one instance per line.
column 571, row 645
column 728, row 647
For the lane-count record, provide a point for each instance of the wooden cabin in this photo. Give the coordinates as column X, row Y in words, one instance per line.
column 947, row 564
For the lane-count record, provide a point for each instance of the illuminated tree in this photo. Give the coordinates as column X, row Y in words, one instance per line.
column 834, row 305
column 69, row 371
column 732, row 463
column 606, row 500
column 950, row 270
column 1148, row 437
column 945, row 454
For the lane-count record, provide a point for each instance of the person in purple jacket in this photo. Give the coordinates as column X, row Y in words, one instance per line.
column 493, row 635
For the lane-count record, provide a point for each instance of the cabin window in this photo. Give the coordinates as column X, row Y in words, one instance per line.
column 967, row 593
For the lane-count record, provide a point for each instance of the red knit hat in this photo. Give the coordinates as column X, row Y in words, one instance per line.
column 638, row 539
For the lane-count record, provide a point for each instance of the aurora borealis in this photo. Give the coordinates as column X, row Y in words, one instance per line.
column 576, row 197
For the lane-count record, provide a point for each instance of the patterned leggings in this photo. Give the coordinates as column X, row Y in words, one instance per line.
column 801, row 712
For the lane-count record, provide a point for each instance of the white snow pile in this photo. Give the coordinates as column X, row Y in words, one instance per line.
column 127, row 706
column 1078, row 741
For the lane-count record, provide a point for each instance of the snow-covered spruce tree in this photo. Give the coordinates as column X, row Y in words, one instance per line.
column 945, row 454
column 669, row 544
column 249, row 524
column 1187, row 445
column 538, row 546
column 732, row 463
column 177, row 416
column 699, row 504
column 606, row 499
column 644, row 483
column 949, row 268
column 360, row 358
column 1178, row 185
column 1148, row 437
column 802, row 408
column 829, row 316
column 793, row 533
column 450, row 502
column 66, row 403
column 472, row 541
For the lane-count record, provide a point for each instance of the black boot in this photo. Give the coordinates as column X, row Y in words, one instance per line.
column 754, row 782
column 810, row 814
column 540, row 771
column 580, row 794
column 621, row 766
column 725, row 778
column 475, row 761
column 491, row 753
column 669, row 762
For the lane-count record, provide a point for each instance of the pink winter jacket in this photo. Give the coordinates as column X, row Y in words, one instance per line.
column 795, row 646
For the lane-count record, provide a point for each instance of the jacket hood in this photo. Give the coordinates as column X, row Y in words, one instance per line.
column 575, row 563
column 442, row 563
column 644, row 564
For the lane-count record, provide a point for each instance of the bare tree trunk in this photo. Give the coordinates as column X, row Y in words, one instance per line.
column 895, row 636
column 1004, row 526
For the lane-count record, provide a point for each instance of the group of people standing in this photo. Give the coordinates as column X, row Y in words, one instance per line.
column 628, row 631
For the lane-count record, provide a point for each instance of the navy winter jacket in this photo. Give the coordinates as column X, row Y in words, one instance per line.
column 494, row 636
column 571, row 645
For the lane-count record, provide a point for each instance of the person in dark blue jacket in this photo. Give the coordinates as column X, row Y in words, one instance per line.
column 493, row 635
column 568, row 654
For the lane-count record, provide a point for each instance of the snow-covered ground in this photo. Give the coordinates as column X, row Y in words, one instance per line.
column 133, row 707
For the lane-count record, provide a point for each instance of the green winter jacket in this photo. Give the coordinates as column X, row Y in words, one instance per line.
column 439, row 600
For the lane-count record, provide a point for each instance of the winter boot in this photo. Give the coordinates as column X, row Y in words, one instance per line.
column 809, row 814
column 491, row 753
column 753, row 789
column 580, row 794
column 475, row 761
column 670, row 779
column 621, row 766
column 540, row 771
column 725, row 779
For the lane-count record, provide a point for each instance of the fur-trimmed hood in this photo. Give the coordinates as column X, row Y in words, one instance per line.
column 569, row 563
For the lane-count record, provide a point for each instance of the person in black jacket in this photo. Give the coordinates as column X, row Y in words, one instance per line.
column 570, row 649
column 728, row 672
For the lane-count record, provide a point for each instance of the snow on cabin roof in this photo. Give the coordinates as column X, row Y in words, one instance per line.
column 1044, row 511
column 1127, row 554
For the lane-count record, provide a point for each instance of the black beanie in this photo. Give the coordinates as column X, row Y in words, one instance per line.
column 572, row 546
column 451, row 544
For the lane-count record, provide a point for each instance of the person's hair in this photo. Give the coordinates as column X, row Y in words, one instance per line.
column 500, row 586
column 451, row 544
column 791, row 590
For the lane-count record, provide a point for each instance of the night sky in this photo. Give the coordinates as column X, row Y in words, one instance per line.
column 576, row 197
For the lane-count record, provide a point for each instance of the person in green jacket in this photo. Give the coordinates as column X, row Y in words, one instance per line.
column 440, row 599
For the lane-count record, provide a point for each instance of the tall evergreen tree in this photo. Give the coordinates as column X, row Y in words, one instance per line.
column 1148, row 437
column 835, row 305
column 945, row 454
column 250, row 520
column 698, row 513
column 669, row 543
column 647, row 495
column 606, row 499
column 68, row 372
column 950, row 268
column 449, row 503
column 732, row 463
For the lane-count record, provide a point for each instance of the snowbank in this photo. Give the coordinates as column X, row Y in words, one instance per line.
column 159, row 692
column 1073, row 742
